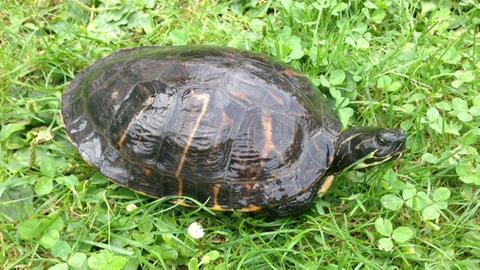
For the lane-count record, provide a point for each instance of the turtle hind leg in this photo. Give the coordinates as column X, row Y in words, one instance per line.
column 298, row 205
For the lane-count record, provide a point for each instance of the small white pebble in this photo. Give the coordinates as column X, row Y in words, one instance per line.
column 195, row 230
column 131, row 207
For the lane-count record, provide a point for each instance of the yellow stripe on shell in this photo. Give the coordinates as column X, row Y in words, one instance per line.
column 121, row 140
column 205, row 98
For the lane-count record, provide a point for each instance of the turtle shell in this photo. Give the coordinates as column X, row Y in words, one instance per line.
column 235, row 129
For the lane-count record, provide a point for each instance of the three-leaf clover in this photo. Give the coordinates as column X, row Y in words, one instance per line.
column 439, row 202
column 400, row 235
column 430, row 206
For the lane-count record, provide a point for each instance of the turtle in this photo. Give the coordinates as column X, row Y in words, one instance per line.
column 231, row 128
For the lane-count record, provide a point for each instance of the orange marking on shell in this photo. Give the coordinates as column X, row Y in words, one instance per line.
column 248, row 187
column 269, row 146
column 227, row 120
column 277, row 99
column 181, row 202
column 251, row 208
column 289, row 73
column 204, row 98
column 216, row 190
column 218, row 208
column 326, row 185
column 146, row 172
column 241, row 96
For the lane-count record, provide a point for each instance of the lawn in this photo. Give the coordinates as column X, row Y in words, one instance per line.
column 407, row 64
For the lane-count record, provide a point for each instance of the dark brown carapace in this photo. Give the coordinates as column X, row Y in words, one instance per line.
column 230, row 127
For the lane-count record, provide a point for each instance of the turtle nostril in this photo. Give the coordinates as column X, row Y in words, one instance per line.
column 400, row 136
column 403, row 139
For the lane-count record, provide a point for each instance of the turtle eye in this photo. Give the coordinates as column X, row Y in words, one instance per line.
column 381, row 141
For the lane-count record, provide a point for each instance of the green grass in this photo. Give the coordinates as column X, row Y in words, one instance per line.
column 408, row 64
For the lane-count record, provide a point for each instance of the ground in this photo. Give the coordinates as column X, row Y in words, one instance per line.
column 407, row 64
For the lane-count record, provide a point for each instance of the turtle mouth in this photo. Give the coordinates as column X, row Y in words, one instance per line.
column 371, row 162
column 384, row 158
column 373, row 159
column 398, row 151
column 400, row 142
column 394, row 151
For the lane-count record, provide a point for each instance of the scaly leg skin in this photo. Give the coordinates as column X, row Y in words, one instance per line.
column 299, row 205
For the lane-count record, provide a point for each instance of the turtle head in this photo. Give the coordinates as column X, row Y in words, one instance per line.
column 363, row 147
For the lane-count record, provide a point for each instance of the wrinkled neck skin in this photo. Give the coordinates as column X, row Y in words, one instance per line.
column 343, row 156
column 363, row 147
